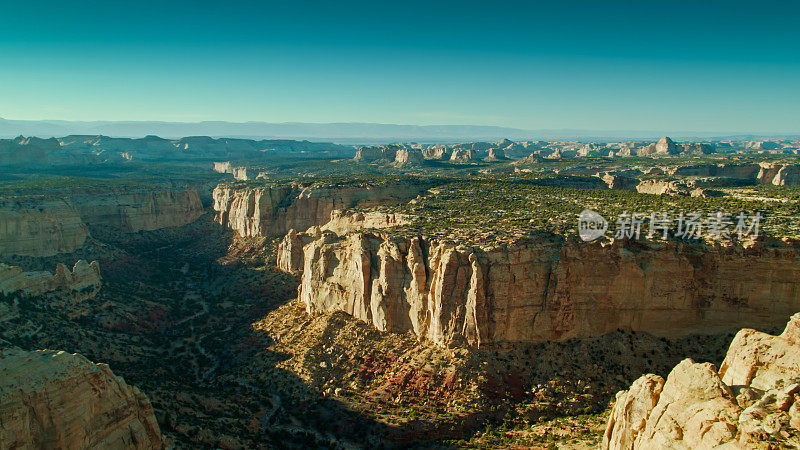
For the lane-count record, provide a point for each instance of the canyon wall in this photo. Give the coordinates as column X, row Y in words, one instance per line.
column 542, row 288
column 779, row 174
column 40, row 226
column 751, row 400
column 265, row 211
column 83, row 276
column 44, row 225
column 53, row 399
column 132, row 210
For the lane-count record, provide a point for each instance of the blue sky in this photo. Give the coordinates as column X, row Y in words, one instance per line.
column 601, row 65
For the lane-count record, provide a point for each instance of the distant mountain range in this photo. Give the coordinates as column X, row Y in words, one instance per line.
column 349, row 133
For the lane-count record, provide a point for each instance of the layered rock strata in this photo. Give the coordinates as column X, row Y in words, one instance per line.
column 752, row 401
column 53, row 399
column 542, row 288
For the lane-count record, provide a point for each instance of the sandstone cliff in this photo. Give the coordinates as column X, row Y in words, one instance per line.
column 779, row 174
column 132, row 210
column 53, row 399
column 40, row 226
column 271, row 210
column 665, row 146
column 241, row 173
column 753, row 401
column 659, row 187
column 44, row 225
column 542, row 288
column 83, row 276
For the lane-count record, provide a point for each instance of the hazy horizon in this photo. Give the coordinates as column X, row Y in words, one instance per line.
column 347, row 132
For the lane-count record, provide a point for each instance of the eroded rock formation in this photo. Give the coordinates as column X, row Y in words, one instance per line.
column 241, row 173
column 779, row 174
column 665, row 146
column 408, row 156
column 753, row 398
column 542, row 288
column 271, row 210
column 53, row 399
column 83, row 276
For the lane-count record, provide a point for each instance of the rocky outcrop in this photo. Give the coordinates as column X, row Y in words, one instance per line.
column 614, row 181
column 408, row 156
column 290, row 251
column 753, row 399
column 53, row 399
column 760, row 360
column 342, row 222
column 271, row 210
column 40, row 226
column 462, row 155
column 543, row 288
column 496, row 154
column 83, row 276
column 240, row 173
column 763, row 145
column 737, row 171
column 779, row 174
column 383, row 153
column 664, row 146
column 438, row 152
column 660, row 187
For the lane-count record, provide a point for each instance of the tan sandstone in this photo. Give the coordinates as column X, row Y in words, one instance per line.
column 698, row 406
column 274, row 210
column 542, row 288
column 53, row 399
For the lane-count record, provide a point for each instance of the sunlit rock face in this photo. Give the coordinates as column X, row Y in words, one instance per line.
column 779, row 174
column 543, row 288
column 751, row 401
column 267, row 211
column 53, row 399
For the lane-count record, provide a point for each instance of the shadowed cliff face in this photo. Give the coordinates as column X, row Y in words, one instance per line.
column 543, row 288
column 39, row 225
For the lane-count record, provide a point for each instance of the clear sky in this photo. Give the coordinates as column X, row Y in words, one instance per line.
column 601, row 65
